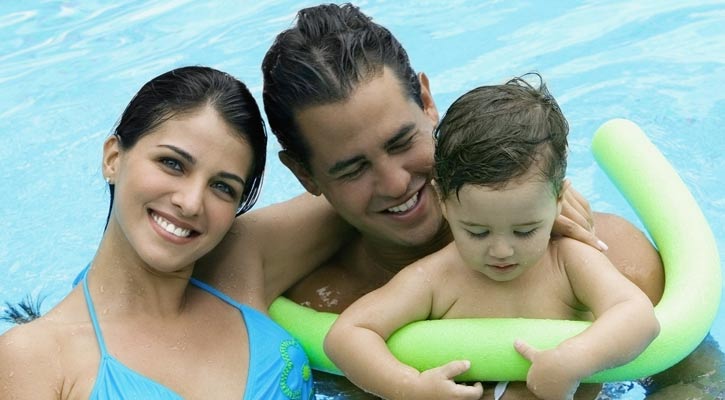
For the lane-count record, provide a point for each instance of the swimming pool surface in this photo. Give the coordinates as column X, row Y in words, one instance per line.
column 68, row 68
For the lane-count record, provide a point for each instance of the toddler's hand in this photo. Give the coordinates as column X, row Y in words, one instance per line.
column 438, row 383
column 548, row 378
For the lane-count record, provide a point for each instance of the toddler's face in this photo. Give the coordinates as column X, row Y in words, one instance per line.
column 502, row 232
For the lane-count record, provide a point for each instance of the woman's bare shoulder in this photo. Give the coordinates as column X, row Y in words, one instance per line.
column 29, row 356
column 51, row 331
column 33, row 354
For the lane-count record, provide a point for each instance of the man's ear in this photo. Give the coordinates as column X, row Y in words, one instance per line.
column 429, row 106
column 111, row 158
column 302, row 174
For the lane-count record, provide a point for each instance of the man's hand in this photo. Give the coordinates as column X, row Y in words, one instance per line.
column 576, row 219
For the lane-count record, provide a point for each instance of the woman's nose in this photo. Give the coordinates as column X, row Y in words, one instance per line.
column 189, row 199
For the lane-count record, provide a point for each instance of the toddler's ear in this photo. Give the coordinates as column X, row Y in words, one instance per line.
column 559, row 201
column 437, row 190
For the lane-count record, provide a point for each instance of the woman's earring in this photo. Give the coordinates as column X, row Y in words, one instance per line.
column 108, row 180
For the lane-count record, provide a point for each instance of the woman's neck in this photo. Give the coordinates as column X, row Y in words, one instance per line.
column 120, row 280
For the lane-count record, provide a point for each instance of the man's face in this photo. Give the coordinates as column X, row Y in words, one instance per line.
column 372, row 158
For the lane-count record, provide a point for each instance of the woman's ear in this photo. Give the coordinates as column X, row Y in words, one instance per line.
column 111, row 158
column 302, row 174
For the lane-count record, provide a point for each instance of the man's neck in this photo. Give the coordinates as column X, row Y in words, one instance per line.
column 394, row 257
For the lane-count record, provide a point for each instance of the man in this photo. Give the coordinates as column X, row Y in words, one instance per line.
column 355, row 123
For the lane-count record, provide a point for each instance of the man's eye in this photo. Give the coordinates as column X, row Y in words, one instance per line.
column 398, row 147
column 352, row 174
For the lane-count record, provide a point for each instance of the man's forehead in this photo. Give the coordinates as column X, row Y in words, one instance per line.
column 382, row 112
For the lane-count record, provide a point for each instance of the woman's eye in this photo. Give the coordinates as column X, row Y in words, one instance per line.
column 525, row 234
column 224, row 188
column 171, row 164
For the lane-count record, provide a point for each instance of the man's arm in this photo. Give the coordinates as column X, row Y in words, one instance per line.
column 626, row 246
column 272, row 248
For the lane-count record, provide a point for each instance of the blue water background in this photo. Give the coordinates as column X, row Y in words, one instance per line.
column 68, row 68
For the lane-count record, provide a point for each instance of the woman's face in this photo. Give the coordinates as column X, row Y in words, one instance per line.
column 177, row 189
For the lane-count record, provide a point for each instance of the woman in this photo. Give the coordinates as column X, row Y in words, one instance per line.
column 186, row 157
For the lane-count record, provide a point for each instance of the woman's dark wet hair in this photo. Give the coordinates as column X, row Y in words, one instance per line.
column 189, row 89
column 329, row 51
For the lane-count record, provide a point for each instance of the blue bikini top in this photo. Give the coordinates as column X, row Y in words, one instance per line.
column 278, row 366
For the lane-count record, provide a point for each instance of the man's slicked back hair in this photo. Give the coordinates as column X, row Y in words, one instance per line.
column 322, row 59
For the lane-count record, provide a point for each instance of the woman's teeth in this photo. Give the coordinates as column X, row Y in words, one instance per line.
column 171, row 228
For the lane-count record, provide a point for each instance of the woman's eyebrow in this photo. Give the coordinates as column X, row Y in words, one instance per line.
column 184, row 154
column 234, row 177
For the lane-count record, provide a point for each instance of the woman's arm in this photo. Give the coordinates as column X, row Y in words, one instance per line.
column 356, row 341
column 624, row 324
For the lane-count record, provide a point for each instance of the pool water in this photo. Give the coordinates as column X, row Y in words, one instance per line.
column 67, row 69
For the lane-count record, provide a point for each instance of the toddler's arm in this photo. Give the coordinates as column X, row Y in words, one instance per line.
column 624, row 325
column 356, row 342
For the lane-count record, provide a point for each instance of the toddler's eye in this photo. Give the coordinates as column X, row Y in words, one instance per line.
column 477, row 235
column 525, row 234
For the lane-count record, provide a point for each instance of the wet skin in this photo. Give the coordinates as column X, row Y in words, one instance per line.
column 372, row 156
column 373, row 153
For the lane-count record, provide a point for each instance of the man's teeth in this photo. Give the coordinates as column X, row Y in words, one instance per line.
column 171, row 228
column 405, row 206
